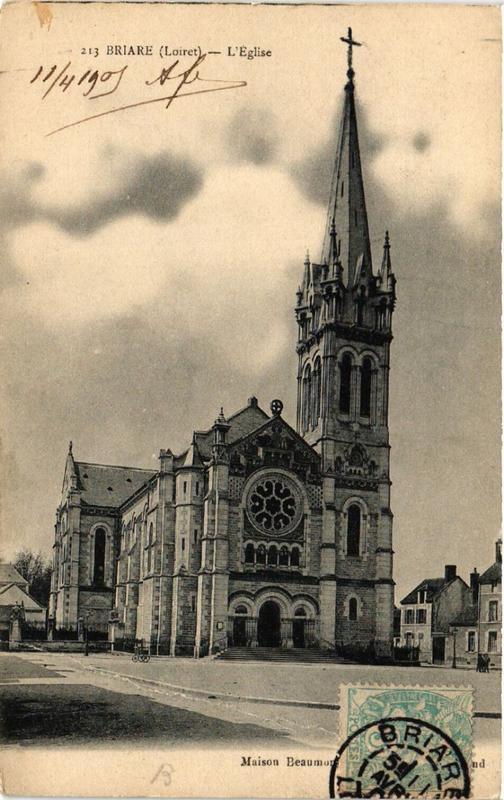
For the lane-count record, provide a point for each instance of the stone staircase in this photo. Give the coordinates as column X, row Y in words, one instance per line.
column 281, row 654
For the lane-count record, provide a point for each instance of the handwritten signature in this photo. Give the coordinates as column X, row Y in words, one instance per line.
column 96, row 84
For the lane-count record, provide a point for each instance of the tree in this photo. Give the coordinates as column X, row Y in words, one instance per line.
column 37, row 571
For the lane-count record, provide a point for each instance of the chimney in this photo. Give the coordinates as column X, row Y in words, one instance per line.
column 474, row 583
column 498, row 551
column 450, row 572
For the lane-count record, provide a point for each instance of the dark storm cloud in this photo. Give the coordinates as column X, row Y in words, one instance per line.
column 421, row 141
column 157, row 186
column 252, row 136
column 313, row 173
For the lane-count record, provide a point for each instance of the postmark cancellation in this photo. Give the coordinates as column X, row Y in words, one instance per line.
column 403, row 741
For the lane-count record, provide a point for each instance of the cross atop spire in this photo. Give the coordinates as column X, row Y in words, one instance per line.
column 351, row 42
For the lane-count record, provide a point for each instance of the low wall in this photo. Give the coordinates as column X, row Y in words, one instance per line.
column 62, row 647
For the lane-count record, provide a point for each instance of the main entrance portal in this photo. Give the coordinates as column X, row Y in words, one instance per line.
column 268, row 627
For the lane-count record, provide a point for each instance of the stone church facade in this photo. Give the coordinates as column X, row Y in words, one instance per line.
column 259, row 534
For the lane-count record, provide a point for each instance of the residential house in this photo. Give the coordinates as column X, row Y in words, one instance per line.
column 427, row 612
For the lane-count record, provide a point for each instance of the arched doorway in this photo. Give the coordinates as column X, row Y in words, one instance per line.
column 268, row 627
column 240, row 627
column 298, row 627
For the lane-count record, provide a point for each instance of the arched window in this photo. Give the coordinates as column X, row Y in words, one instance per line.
column 353, row 531
column 249, row 554
column 352, row 609
column 261, row 554
column 273, row 555
column 295, row 557
column 241, row 610
column 99, row 556
column 345, row 383
column 306, row 399
column 283, row 559
column 365, row 387
column 316, row 393
column 149, row 552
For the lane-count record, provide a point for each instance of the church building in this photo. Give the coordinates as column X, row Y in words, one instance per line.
column 259, row 534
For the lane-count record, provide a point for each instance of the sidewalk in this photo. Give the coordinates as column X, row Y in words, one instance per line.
column 303, row 685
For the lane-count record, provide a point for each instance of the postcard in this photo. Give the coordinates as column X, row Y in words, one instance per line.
column 250, row 400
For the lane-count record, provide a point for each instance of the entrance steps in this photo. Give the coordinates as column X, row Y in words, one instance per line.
column 281, row 654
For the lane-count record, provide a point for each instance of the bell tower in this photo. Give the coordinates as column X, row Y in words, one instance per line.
column 344, row 313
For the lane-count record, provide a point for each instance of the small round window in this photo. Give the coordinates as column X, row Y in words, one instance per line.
column 274, row 505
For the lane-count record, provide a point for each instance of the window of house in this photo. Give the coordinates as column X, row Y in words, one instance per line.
column 352, row 609
column 409, row 639
column 492, row 611
column 471, row 641
column 421, row 616
column 353, row 530
column 345, row 383
column 365, row 387
column 492, row 641
column 421, row 596
column 409, row 616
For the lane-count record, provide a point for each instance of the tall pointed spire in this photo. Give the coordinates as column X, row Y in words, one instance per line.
column 347, row 204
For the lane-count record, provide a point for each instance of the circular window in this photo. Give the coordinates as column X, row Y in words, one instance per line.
column 274, row 505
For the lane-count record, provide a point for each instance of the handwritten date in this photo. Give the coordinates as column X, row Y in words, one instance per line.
column 95, row 84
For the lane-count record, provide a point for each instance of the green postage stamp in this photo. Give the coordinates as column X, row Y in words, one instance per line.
column 404, row 741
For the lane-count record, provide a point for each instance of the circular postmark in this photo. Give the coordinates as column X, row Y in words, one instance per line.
column 399, row 757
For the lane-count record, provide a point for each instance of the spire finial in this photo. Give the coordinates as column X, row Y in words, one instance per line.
column 351, row 42
column 70, row 446
column 307, row 257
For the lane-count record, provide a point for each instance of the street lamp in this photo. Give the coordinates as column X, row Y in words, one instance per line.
column 454, row 660
column 86, row 641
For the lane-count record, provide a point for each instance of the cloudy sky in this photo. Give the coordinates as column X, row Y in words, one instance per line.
column 151, row 257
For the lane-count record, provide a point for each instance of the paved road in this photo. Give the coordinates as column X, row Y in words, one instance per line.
column 64, row 699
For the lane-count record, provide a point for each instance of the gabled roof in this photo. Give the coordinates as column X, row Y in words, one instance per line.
column 9, row 574
column 432, row 586
column 241, row 423
column 105, row 485
column 290, row 431
column 493, row 574
column 467, row 617
column 12, row 594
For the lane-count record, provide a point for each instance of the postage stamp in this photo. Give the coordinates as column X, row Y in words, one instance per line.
column 404, row 741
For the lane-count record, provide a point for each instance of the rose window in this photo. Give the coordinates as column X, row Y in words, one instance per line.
column 274, row 505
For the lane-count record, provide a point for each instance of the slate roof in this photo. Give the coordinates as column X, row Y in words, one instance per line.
column 9, row 574
column 493, row 574
column 430, row 585
column 467, row 617
column 104, row 485
column 242, row 423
